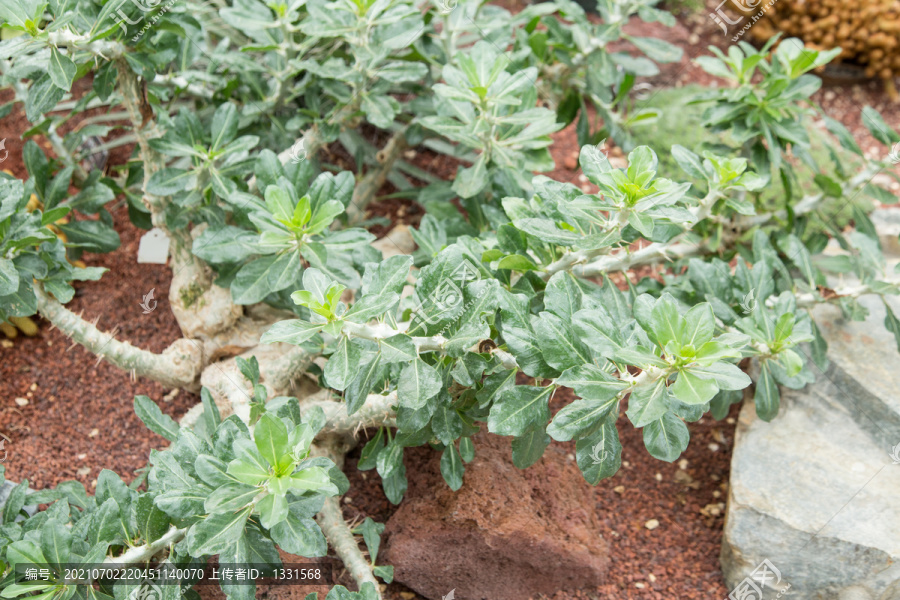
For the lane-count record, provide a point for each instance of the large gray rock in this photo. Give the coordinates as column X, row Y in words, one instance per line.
column 815, row 492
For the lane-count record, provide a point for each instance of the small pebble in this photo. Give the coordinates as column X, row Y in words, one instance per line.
column 94, row 432
column 651, row 577
column 6, row 343
column 82, row 456
column 407, row 595
column 22, row 401
column 730, row 421
column 84, row 471
column 347, row 499
column 570, row 456
column 714, row 447
column 619, row 489
column 683, row 464
column 657, row 477
column 651, row 524
column 33, row 387
column 640, row 585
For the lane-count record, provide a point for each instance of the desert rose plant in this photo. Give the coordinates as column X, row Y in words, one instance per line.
column 236, row 110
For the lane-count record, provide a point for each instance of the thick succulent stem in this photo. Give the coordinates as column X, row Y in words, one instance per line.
column 377, row 410
column 808, row 299
column 201, row 308
column 140, row 554
column 233, row 392
column 622, row 261
column 338, row 533
column 366, row 189
column 178, row 366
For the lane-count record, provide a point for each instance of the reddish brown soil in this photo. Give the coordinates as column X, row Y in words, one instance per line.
column 79, row 417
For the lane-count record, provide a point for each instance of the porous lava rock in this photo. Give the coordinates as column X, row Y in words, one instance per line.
column 507, row 534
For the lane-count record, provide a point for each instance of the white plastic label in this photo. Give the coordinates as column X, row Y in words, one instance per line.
column 154, row 247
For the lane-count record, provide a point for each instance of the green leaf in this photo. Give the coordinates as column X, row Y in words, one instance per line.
column 169, row 181
column 648, row 403
column 529, row 447
column 324, row 215
column 273, row 509
column 224, row 125
column 452, row 467
column 148, row 411
column 559, row 346
column 798, row 254
column 398, row 349
column 42, row 97
column 343, row 364
column 371, row 307
column 519, row 408
column 845, row 138
column 657, row 49
column 259, row 278
column 471, row 180
column 212, row 470
column 665, row 322
column 666, row 438
column 249, row 472
column 152, row 522
column 390, row 460
column 726, row 375
column 385, row 572
column 24, row 552
column 689, row 162
column 591, row 382
column 418, row 383
column 599, row 455
column 517, row 262
column 767, row 397
column 466, row 449
column 300, row 536
column 890, row 322
column 292, row 331
column 700, row 324
column 93, row 236
column 691, row 389
column 271, row 438
column 880, row 130
column 580, row 416
column 230, row 497
column 371, row 532
column 216, row 533
column 62, row 69
column 388, row 276
column 9, row 277
column 367, row 375
column 56, row 542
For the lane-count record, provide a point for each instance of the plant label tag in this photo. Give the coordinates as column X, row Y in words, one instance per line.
column 154, row 247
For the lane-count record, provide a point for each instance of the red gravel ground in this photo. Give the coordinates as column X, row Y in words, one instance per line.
column 65, row 416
